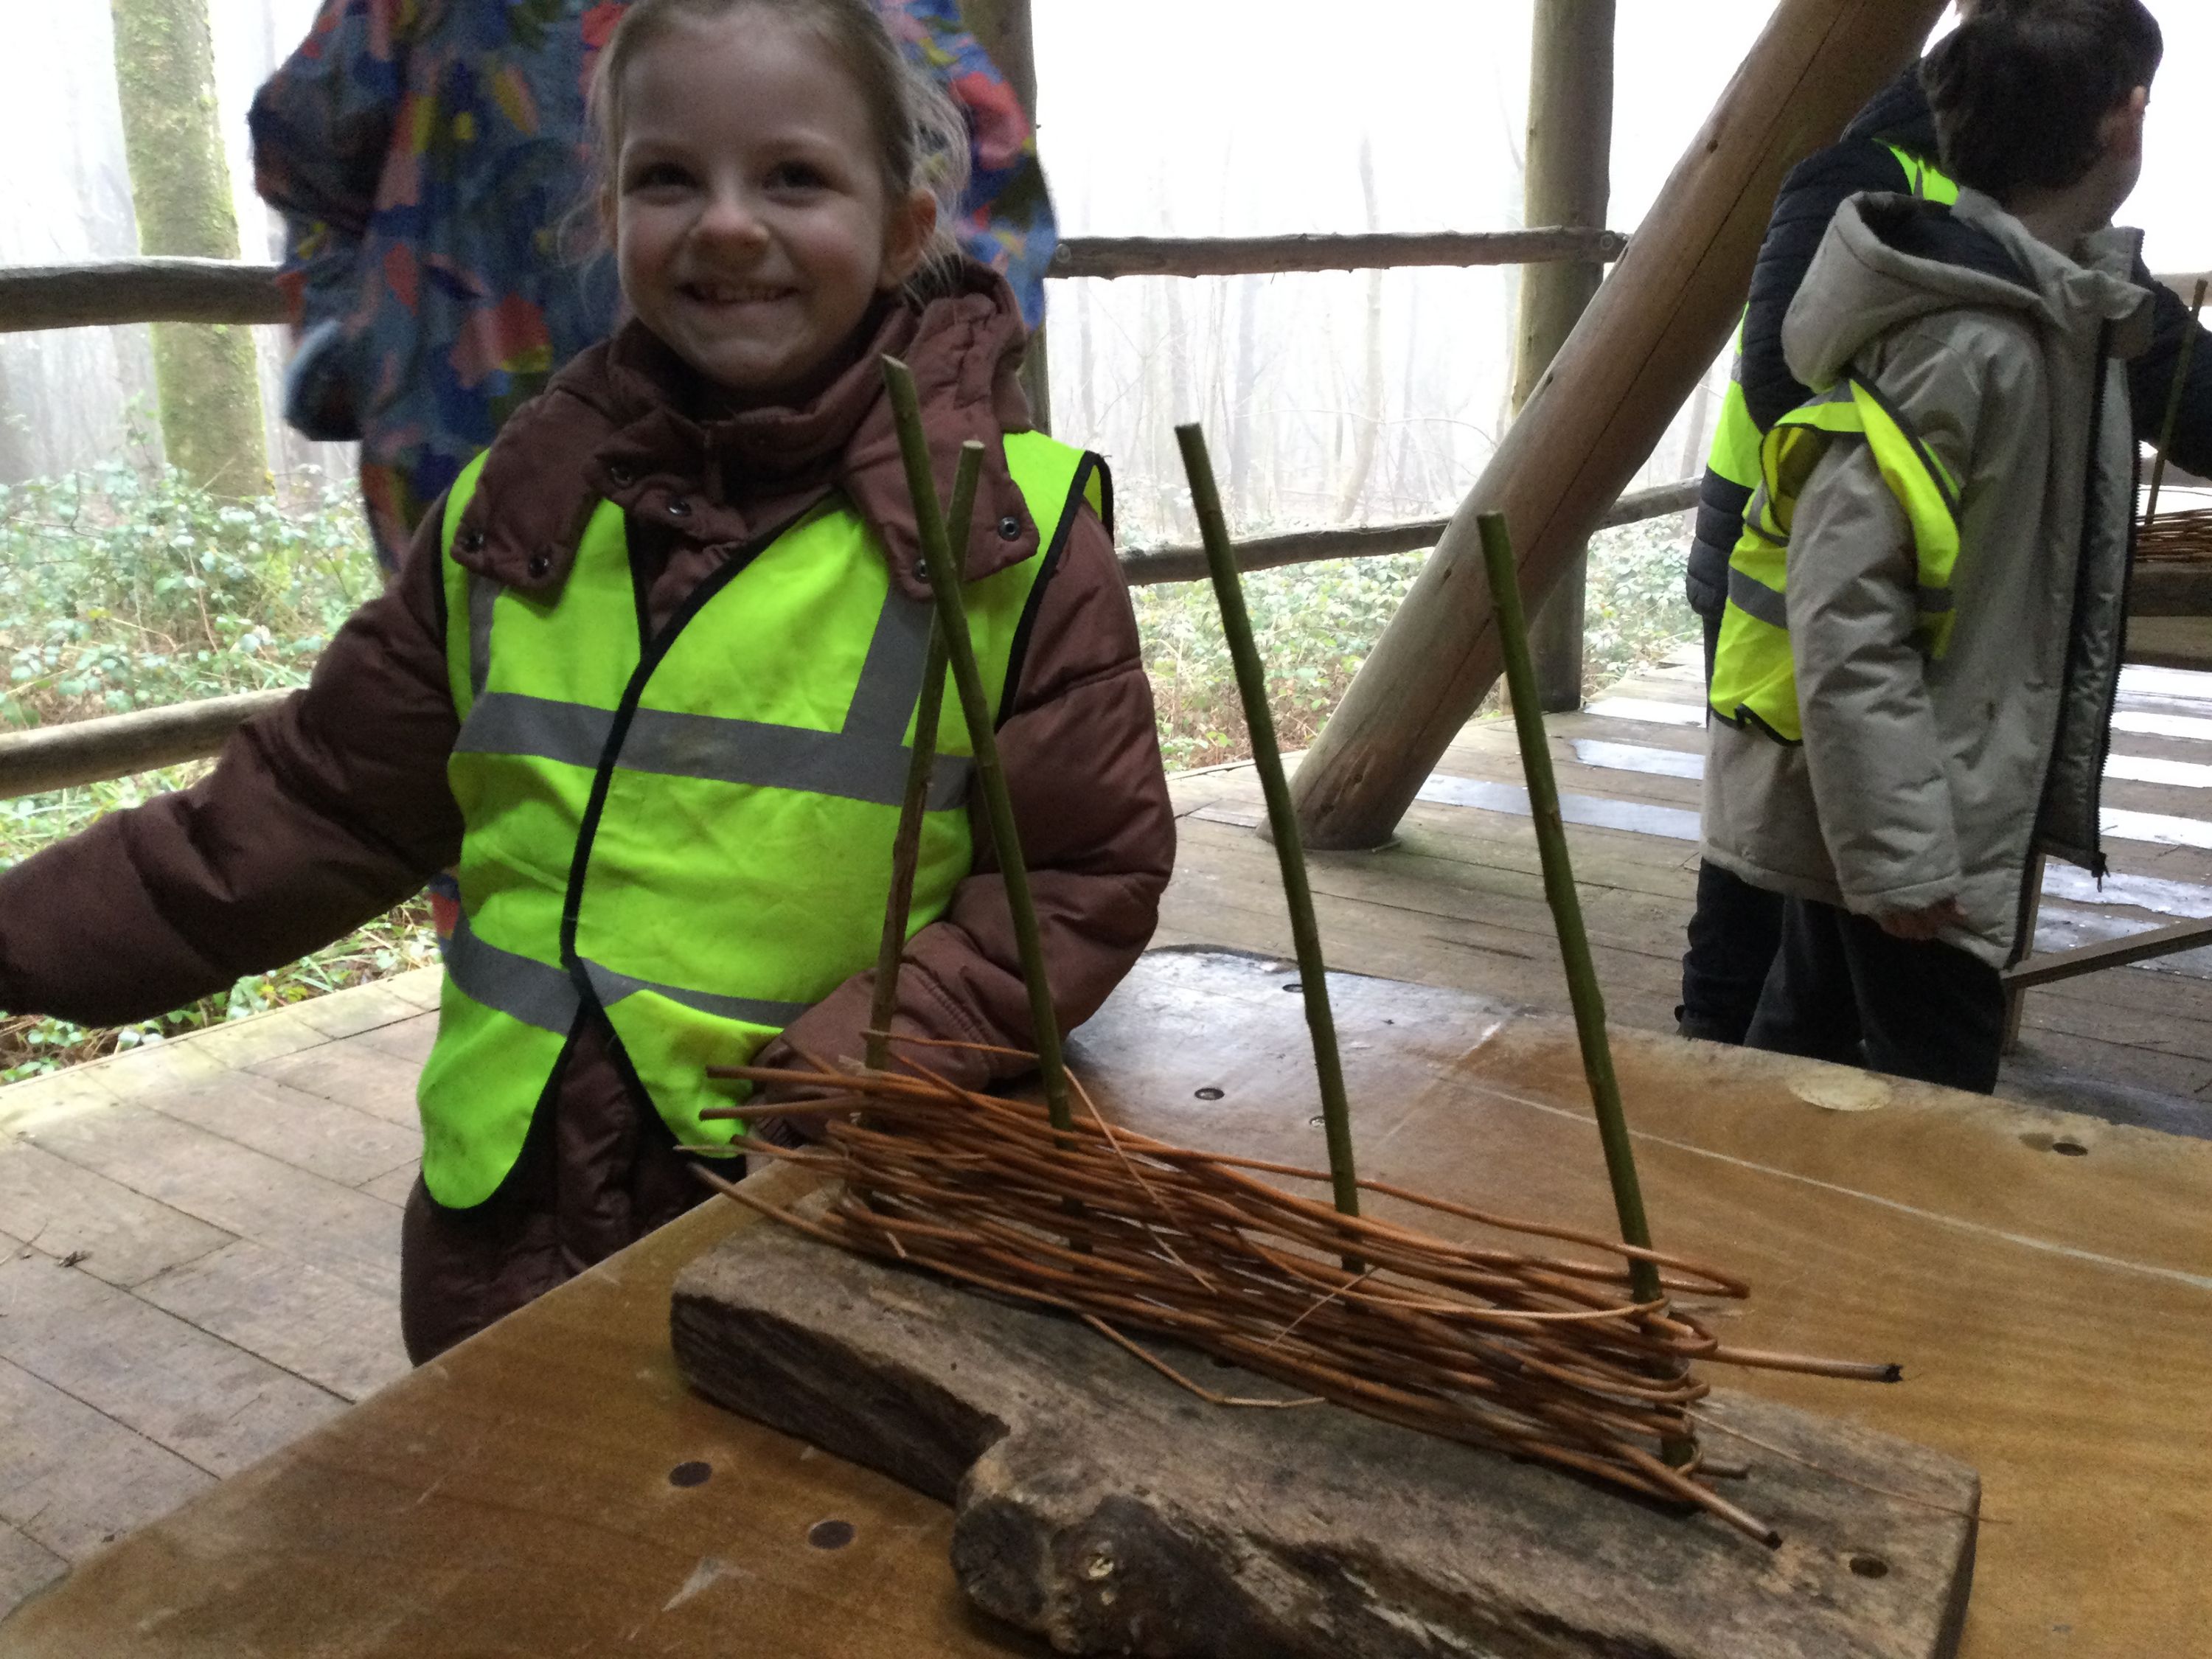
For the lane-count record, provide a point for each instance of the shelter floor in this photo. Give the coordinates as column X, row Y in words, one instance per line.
column 1458, row 898
column 199, row 1242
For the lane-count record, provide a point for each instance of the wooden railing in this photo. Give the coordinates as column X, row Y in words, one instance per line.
column 122, row 291
column 176, row 290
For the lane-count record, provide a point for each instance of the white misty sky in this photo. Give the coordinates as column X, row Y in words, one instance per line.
column 1214, row 116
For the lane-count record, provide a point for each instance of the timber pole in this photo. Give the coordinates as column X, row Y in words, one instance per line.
column 1569, row 182
column 1654, row 329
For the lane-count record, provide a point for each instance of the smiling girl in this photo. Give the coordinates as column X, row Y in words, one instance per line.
column 646, row 679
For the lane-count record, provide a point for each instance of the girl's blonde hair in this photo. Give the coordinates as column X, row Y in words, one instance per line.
column 921, row 143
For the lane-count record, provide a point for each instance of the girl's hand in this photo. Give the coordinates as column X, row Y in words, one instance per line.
column 1922, row 924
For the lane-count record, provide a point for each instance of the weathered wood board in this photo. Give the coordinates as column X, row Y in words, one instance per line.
column 1105, row 1508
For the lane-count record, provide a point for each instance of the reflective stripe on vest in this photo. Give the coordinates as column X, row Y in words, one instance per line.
column 689, row 834
column 1755, row 679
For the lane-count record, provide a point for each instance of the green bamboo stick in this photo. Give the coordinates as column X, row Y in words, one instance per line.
column 906, row 846
column 2181, row 360
column 1289, row 852
column 1566, row 908
column 952, row 616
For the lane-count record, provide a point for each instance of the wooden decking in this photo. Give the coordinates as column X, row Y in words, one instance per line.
column 201, row 1260
column 1459, row 899
column 201, row 1240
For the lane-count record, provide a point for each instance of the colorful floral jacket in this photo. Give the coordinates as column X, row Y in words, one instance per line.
column 428, row 158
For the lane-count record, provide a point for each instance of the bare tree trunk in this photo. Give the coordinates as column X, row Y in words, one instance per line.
column 1368, row 423
column 1568, row 182
column 1694, row 439
column 208, row 392
column 1243, row 393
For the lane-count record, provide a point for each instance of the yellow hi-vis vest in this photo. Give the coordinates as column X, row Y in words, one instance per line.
column 690, row 835
column 1755, row 679
column 1734, row 454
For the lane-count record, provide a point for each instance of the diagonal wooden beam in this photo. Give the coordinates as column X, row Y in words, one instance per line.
column 1655, row 327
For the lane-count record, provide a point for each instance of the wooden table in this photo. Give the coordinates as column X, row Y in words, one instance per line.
column 551, row 1487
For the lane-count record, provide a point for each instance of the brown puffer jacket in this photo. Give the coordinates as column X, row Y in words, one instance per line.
column 334, row 807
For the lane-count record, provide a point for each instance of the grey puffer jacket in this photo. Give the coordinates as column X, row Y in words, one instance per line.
column 1921, row 779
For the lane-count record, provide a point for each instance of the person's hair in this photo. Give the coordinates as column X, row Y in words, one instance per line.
column 2019, row 90
column 920, row 140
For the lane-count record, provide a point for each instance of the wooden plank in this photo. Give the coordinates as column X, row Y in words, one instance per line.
column 1144, row 565
column 2108, row 953
column 1519, row 966
column 305, row 1130
column 409, row 1039
column 361, row 1072
column 2170, row 641
column 421, row 986
column 117, row 745
column 314, row 1324
column 356, row 1009
column 1439, row 889
column 213, row 1404
column 394, row 1186
column 25, row 1567
column 244, row 1192
column 154, row 290
column 1095, row 1506
column 1237, row 256
column 72, row 1478
column 114, row 1234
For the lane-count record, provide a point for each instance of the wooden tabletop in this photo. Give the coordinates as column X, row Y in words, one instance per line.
column 551, row 1486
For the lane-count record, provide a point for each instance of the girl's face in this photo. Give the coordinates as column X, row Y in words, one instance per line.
column 749, row 212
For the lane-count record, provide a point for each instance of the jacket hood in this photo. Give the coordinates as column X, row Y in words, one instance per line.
column 1889, row 259
column 629, row 422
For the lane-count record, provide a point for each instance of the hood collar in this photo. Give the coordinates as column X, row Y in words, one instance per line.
column 629, row 422
column 1888, row 259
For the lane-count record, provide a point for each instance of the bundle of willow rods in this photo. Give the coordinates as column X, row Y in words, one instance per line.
column 2183, row 535
column 1541, row 1356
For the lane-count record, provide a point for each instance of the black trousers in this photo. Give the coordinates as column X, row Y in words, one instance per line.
column 1734, row 933
column 1844, row 990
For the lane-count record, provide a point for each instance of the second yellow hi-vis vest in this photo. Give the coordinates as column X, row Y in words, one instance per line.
column 1734, row 454
column 1755, row 679
column 690, row 835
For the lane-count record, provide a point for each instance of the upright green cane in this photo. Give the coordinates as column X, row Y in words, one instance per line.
column 1289, row 851
column 1566, row 907
column 975, row 707
column 906, row 845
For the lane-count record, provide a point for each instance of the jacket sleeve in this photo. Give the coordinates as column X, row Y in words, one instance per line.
column 320, row 815
column 1815, row 188
column 322, row 125
column 2150, row 379
column 1871, row 745
column 1082, row 760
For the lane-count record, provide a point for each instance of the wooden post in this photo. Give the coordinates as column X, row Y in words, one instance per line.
column 1569, row 181
column 1656, row 325
column 1003, row 28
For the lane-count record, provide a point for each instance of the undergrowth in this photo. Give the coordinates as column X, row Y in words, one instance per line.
column 121, row 592
column 1316, row 624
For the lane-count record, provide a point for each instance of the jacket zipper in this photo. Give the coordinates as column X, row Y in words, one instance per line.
column 2023, row 943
